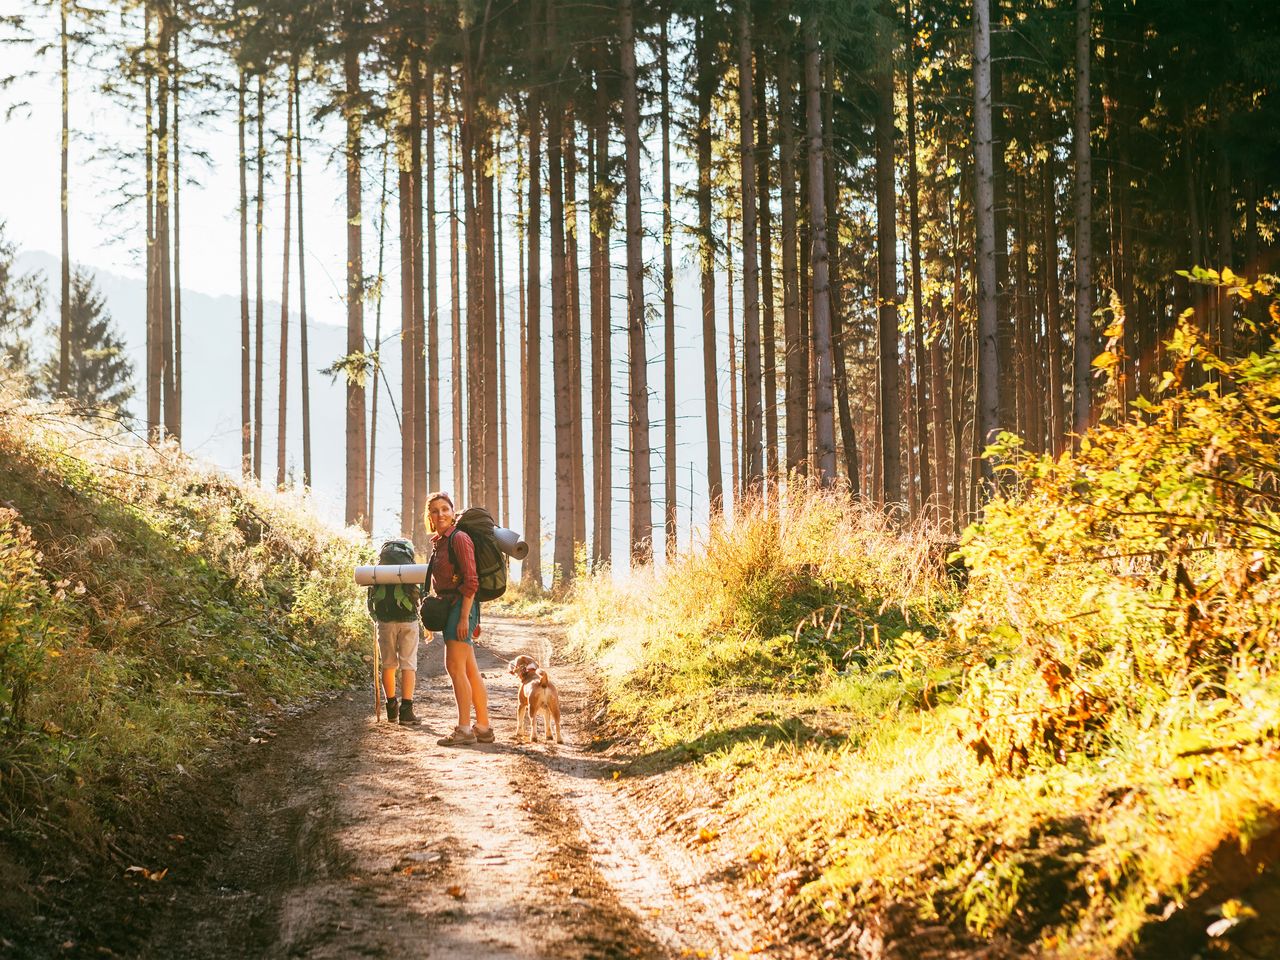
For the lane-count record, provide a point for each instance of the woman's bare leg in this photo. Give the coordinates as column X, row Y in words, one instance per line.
column 457, row 657
column 479, row 695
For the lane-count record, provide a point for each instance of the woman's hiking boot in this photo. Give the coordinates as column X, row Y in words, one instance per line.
column 406, row 712
column 391, row 710
column 483, row 734
column 461, row 737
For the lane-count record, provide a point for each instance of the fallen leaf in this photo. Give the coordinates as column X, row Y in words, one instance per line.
column 1219, row 927
column 553, row 876
column 153, row 875
column 617, row 774
column 456, row 892
column 707, row 834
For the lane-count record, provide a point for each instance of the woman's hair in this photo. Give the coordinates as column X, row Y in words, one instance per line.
column 440, row 495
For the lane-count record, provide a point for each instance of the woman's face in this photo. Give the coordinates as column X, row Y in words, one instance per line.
column 440, row 513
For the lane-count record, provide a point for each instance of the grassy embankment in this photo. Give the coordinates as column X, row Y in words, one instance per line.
column 149, row 609
column 1076, row 755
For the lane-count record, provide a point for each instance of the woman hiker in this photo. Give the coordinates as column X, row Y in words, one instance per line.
column 463, row 624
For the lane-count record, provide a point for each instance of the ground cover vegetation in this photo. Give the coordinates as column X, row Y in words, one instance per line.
column 1076, row 753
column 150, row 608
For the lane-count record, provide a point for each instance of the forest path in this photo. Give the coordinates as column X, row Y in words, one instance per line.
column 350, row 837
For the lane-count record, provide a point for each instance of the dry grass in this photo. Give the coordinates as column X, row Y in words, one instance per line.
column 165, row 605
column 843, row 752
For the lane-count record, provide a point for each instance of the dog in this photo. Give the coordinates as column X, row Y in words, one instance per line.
column 538, row 696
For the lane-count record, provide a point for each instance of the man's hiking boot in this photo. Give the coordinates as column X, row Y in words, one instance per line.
column 461, row 737
column 483, row 734
column 406, row 712
column 391, row 709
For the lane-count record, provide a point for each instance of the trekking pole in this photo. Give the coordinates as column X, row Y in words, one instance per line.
column 377, row 711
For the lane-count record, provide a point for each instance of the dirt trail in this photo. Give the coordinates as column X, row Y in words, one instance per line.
column 352, row 838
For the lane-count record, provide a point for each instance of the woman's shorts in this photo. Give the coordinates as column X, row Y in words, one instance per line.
column 451, row 624
column 398, row 645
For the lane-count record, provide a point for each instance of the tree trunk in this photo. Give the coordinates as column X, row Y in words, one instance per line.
column 849, row 441
column 421, row 535
column 988, row 399
column 573, row 292
column 474, row 390
column 1084, row 218
column 959, row 367
column 282, row 432
column 169, row 403
column 433, row 300
column 561, row 351
column 638, row 412
column 824, row 401
column 259, row 314
column 938, row 404
column 155, row 359
column 532, row 435
column 887, row 260
column 376, row 347
column 706, row 87
column 917, row 293
column 796, row 349
column 763, row 152
column 735, row 424
column 64, row 328
column 489, row 358
column 302, row 297
column 602, row 374
column 1226, row 220
column 455, row 306
column 1053, row 315
column 408, row 431
column 1252, row 266
column 177, row 250
column 668, row 309
column 503, row 430
column 522, row 229
column 753, row 412
column 246, row 395
column 1028, row 387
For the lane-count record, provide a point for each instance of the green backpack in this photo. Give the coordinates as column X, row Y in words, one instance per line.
column 491, row 563
column 395, row 602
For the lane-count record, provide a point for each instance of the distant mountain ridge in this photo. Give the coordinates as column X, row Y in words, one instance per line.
column 211, row 384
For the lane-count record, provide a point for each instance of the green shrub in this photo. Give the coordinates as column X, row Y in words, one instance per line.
column 1131, row 590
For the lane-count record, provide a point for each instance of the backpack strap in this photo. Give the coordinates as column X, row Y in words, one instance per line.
column 453, row 557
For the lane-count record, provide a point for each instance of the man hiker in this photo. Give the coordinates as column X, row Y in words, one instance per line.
column 394, row 607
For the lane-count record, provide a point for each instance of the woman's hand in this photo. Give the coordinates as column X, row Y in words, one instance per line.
column 463, row 632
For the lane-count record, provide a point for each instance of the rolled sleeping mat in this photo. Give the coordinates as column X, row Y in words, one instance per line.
column 510, row 543
column 392, row 573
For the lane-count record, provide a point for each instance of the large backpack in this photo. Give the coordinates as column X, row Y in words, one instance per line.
column 395, row 602
column 396, row 552
column 491, row 562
